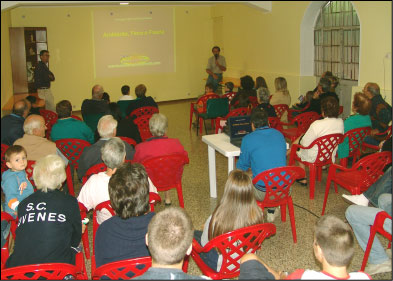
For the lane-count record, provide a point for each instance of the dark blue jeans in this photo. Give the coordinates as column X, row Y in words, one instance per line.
column 210, row 258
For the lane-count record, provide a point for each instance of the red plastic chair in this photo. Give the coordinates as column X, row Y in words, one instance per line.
column 76, row 117
column 145, row 110
column 229, row 95
column 5, row 251
column 235, row 112
column 72, row 149
column 301, row 122
column 202, row 99
column 4, row 167
column 254, row 101
column 278, row 183
column 130, row 141
column 376, row 227
column 388, row 133
column 300, row 111
column 143, row 126
column 275, row 123
column 360, row 177
column 280, row 109
column 48, row 271
column 154, row 198
column 326, row 146
column 103, row 205
column 121, row 270
column 85, row 236
column 355, row 140
column 50, row 119
column 166, row 172
column 100, row 167
column 29, row 172
column 232, row 246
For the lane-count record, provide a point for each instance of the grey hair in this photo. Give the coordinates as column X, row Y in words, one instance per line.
column 113, row 152
column 373, row 90
column 49, row 173
column 263, row 94
column 158, row 124
column 97, row 93
column 32, row 123
column 106, row 126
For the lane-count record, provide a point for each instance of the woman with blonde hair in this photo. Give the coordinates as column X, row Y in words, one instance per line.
column 281, row 96
column 237, row 209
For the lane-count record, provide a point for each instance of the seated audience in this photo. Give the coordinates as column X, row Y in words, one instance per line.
column 95, row 105
column 50, row 226
column 106, row 97
column 95, row 190
column 159, row 144
column 123, row 236
column 36, row 104
column 125, row 126
column 263, row 95
column 228, row 88
column 304, row 101
column 237, row 209
column 322, row 92
column 169, row 239
column 208, row 92
column 326, row 74
column 91, row 155
column 361, row 107
column 12, row 124
column 330, row 124
column 14, row 181
column 260, row 82
column 68, row 127
column 125, row 90
column 281, row 96
column 333, row 248
column 361, row 218
column 247, row 89
column 34, row 141
column 333, row 83
column 380, row 113
column 261, row 150
column 141, row 100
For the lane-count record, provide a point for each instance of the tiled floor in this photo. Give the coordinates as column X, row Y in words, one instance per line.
column 278, row 251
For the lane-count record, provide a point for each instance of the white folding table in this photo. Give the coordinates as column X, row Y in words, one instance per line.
column 220, row 143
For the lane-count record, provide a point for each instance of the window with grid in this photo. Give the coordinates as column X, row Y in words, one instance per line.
column 336, row 41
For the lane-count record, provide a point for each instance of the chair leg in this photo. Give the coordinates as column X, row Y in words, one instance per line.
column 191, row 113
column 180, row 195
column 312, row 180
column 85, row 241
column 70, row 184
column 344, row 162
column 283, row 212
column 185, row 263
column 368, row 249
column 200, row 125
column 319, row 173
column 292, row 218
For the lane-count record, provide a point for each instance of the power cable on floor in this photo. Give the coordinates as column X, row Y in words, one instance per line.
column 306, row 210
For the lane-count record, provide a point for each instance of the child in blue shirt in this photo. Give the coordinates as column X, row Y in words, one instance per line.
column 15, row 183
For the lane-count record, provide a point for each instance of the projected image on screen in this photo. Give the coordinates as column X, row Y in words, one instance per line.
column 135, row 40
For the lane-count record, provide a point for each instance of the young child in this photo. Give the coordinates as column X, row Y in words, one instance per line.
column 229, row 93
column 333, row 248
column 15, row 183
column 208, row 91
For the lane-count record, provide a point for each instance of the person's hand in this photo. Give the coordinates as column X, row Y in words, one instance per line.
column 374, row 132
column 217, row 63
column 215, row 76
column 83, row 227
column 22, row 187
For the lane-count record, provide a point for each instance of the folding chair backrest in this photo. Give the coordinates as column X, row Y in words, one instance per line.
column 217, row 107
column 145, row 110
column 278, row 182
column 205, row 98
column 100, row 207
column 50, row 119
column 143, row 126
column 275, row 123
column 49, row 271
column 29, row 171
column 123, row 270
column 280, row 109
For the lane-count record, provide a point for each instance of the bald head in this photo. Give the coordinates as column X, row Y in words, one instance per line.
column 34, row 125
column 371, row 90
column 97, row 92
column 21, row 108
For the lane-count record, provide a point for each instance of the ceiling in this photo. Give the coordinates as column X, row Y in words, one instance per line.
column 264, row 6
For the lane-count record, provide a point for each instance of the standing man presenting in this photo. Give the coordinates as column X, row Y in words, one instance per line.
column 216, row 65
column 42, row 78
